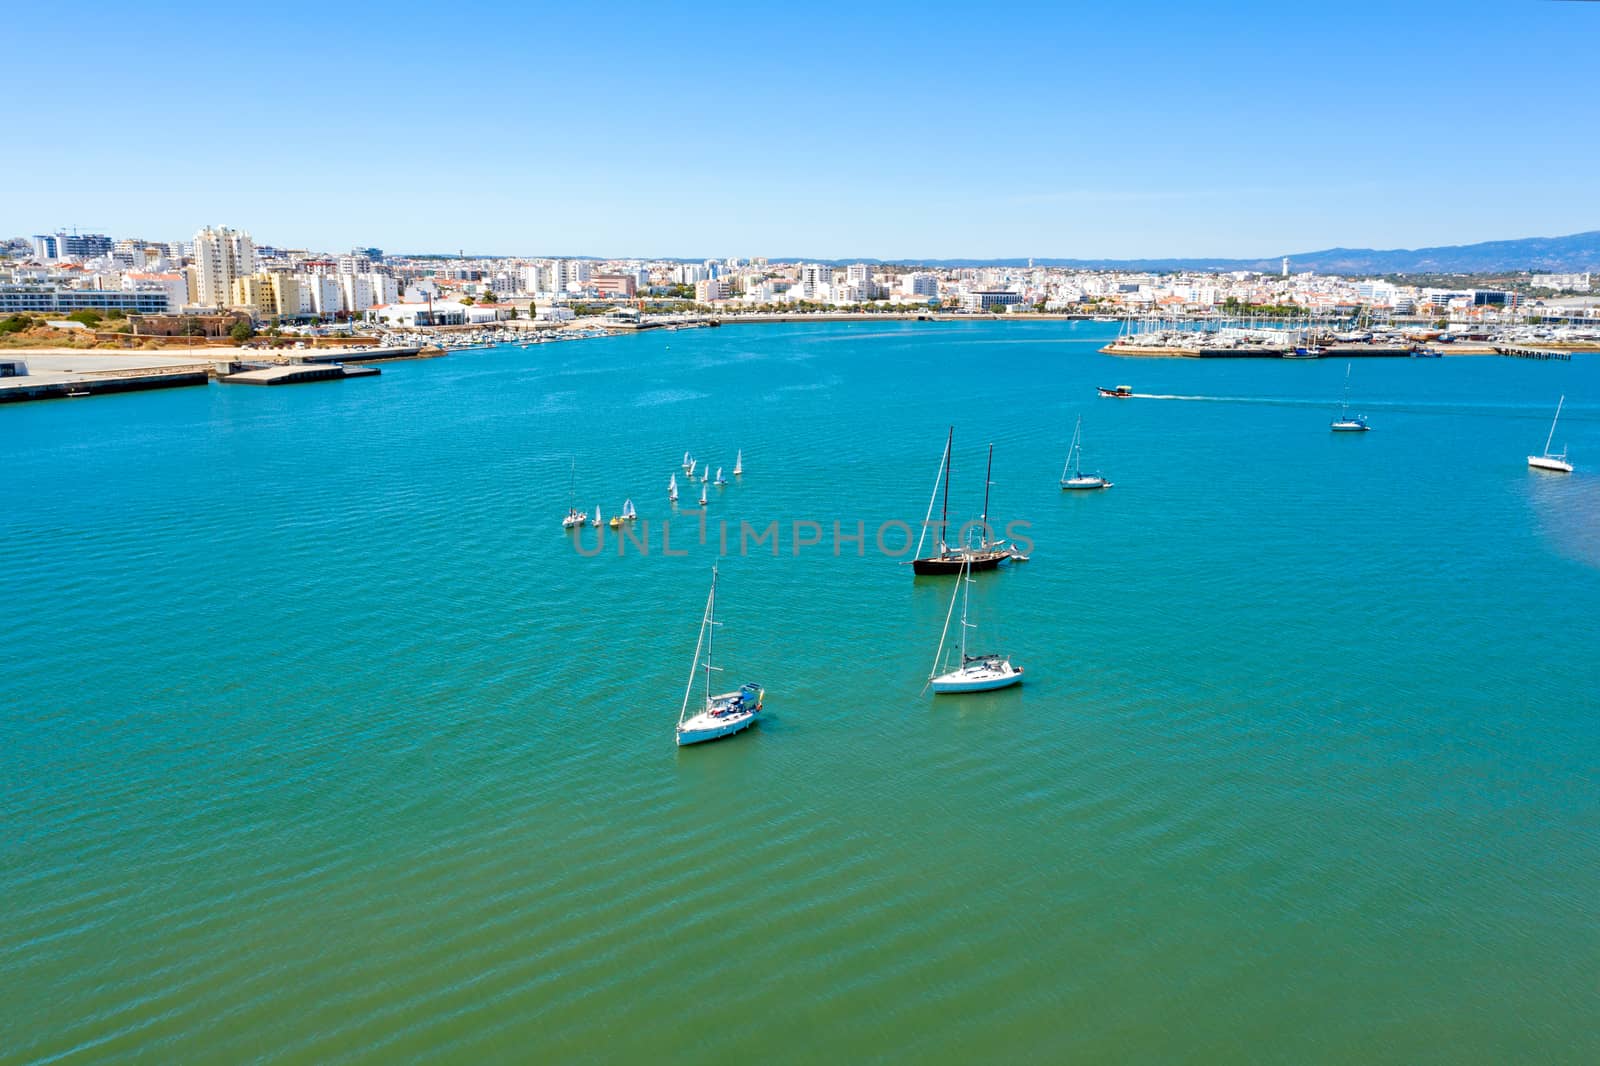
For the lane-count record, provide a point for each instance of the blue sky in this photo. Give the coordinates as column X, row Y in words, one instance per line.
column 891, row 131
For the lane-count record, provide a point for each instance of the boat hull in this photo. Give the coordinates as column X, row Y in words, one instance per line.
column 1348, row 427
column 988, row 681
column 1542, row 462
column 1081, row 484
column 694, row 731
column 946, row 565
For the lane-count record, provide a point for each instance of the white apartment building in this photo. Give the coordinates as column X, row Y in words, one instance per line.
column 221, row 257
column 919, row 283
column 710, row 289
column 323, row 293
column 814, row 283
column 174, row 286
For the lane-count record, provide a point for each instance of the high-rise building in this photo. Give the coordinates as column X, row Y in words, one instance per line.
column 76, row 246
column 44, row 248
column 221, row 257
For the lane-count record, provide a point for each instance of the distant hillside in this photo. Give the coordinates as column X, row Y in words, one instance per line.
column 1580, row 251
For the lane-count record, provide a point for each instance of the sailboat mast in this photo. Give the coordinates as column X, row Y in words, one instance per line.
column 966, row 598
column 1553, row 422
column 698, row 644
column 988, row 475
column 944, row 512
column 711, row 629
column 932, row 496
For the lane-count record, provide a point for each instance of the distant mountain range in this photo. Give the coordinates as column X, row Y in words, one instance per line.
column 1577, row 252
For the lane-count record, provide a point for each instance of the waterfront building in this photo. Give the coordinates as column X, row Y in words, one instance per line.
column 620, row 285
column 989, row 299
column 814, row 283
column 221, row 257
column 171, row 285
column 710, row 289
column 58, row 299
column 412, row 315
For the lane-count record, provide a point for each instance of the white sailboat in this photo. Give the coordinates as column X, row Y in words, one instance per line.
column 720, row 479
column 1346, row 422
column 1072, row 475
column 628, row 513
column 693, row 463
column 719, row 715
column 597, row 519
column 688, row 462
column 977, row 673
column 575, row 518
column 672, row 489
column 1547, row 461
column 705, row 473
column 702, row 494
column 738, row 463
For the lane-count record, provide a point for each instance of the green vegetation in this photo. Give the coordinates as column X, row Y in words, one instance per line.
column 116, row 313
column 468, row 300
column 241, row 332
column 86, row 316
column 15, row 324
column 1234, row 306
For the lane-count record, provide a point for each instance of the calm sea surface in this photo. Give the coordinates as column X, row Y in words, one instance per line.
column 319, row 742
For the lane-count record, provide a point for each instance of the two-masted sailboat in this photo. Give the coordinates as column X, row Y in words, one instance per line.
column 1548, row 461
column 975, row 673
column 722, row 714
column 1072, row 475
column 950, row 558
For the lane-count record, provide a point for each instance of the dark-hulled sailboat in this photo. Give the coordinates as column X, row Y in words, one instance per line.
column 950, row 558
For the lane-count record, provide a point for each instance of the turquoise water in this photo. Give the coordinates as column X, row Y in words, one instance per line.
column 321, row 743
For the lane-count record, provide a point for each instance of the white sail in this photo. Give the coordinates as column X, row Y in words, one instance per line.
column 672, row 488
column 702, row 495
column 738, row 463
column 627, row 509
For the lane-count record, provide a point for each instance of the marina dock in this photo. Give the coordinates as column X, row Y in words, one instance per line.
column 297, row 373
column 1517, row 351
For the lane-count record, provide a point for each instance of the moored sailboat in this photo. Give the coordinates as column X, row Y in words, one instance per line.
column 1548, row 461
column 1072, row 475
column 575, row 518
column 976, row 673
column 948, row 558
column 719, row 715
column 1346, row 422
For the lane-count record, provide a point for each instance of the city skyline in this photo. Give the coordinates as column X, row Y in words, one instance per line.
column 1167, row 132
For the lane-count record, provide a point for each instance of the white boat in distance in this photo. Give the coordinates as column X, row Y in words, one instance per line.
column 1072, row 475
column 720, row 480
column 723, row 714
column 977, row 673
column 1557, row 463
column 688, row 462
column 1346, row 422
column 738, row 463
column 597, row 519
column 672, row 489
column 575, row 519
